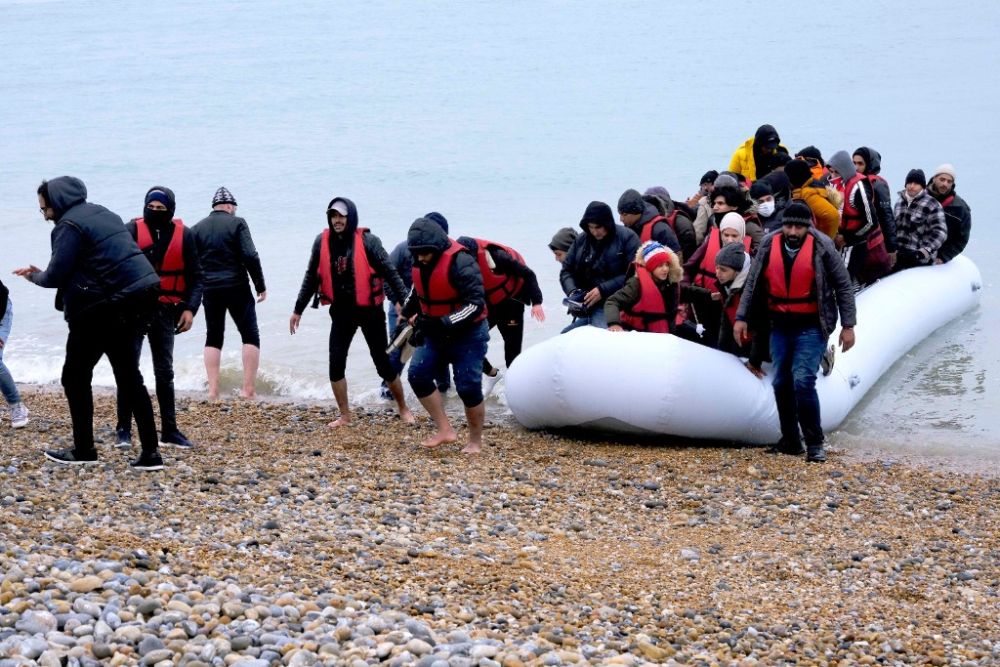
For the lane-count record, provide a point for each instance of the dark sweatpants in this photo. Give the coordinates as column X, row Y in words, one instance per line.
column 344, row 323
column 162, row 328
column 111, row 331
column 508, row 317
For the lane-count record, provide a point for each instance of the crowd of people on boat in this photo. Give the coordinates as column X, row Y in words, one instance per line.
column 761, row 262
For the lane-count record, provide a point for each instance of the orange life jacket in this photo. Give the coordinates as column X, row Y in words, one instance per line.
column 797, row 295
column 368, row 287
column 173, row 287
column 649, row 313
column 439, row 298
column 705, row 276
column 498, row 286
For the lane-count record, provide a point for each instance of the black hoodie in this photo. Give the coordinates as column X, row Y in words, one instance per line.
column 463, row 275
column 764, row 162
column 590, row 263
column 94, row 261
column 162, row 236
column 342, row 262
column 662, row 233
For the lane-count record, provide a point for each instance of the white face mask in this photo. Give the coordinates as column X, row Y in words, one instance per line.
column 766, row 208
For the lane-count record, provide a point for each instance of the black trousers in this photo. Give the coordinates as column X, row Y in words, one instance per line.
column 344, row 323
column 162, row 328
column 508, row 317
column 108, row 330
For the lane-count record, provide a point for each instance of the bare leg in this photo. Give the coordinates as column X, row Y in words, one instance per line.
column 435, row 408
column 475, row 416
column 251, row 360
column 340, row 394
column 396, row 389
column 213, row 359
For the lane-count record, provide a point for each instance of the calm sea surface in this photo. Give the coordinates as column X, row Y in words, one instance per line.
column 508, row 118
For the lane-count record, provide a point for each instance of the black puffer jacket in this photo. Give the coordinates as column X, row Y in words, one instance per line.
column 4, row 299
column 590, row 263
column 463, row 275
column 342, row 246
column 227, row 253
column 94, row 262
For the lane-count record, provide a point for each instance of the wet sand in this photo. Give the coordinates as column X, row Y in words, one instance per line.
column 279, row 541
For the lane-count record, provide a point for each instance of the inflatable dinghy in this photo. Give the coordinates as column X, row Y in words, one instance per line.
column 644, row 383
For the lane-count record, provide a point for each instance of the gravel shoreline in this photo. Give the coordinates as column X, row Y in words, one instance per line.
column 277, row 541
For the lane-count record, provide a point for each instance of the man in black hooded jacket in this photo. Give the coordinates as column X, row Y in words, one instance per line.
column 868, row 161
column 595, row 265
column 108, row 291
column 348, row 273
column 170, row 248
column 447, row 306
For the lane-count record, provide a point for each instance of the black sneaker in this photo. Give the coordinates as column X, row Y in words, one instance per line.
column 784, row 447
column 148, row 461
column 816, row 454
column 123, row 438
column 176, row 439
column 71, row 457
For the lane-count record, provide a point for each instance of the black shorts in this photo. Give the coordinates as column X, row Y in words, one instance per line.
column 240, row 303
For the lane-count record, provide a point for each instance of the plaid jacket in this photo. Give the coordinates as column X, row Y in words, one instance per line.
column 920, row 224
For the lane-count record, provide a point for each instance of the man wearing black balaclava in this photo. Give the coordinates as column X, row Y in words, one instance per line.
column 170, row 248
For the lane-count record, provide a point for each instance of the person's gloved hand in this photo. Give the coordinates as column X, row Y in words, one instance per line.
column 430, row 326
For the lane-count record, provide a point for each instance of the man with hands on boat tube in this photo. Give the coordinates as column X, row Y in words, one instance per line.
column 799, row 285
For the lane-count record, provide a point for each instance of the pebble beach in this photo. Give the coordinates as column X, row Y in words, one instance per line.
column 280, row 542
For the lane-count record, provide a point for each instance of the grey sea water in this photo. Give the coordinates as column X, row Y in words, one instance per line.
column 506, row 117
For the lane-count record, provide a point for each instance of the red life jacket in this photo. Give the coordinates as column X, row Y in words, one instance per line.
column 729, row 309
column 647, row 229
column 649, row 313
column 173, row 287
column 439, row 298
column 368, row 290
column 797, row 295
column 947, row 200
column 498, row 286
column 852, row 220
column 705, row 277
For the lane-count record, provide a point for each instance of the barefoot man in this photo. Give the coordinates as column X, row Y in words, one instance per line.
column 448, row 308
column 347, row 269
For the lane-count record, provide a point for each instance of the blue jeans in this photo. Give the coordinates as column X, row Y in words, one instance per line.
column 464, row 352
column 7, row 385
column 796, row 354
column 396, row 359
column 594, row 318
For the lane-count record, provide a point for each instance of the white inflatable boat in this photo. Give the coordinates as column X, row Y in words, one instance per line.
column 643, row 383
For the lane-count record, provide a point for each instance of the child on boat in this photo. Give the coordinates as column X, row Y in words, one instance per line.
column 732, row 265
column 648, row 301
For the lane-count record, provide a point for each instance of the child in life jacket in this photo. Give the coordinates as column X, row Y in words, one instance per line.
column 648, row 301
column 732, row 266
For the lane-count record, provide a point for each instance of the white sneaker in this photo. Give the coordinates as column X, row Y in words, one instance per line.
column 19, row 415
column 490, row 381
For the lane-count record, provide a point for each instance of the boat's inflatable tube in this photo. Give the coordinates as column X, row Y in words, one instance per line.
column 645, row 383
